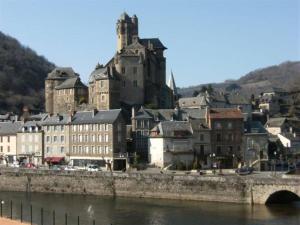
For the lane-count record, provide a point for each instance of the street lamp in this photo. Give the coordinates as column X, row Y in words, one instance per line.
column 1, row 203
column 275, row 153
column 212, row 156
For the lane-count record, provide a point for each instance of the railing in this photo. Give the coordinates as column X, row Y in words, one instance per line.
column 32, row 214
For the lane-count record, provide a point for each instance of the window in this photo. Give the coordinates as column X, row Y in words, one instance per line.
column 135, row 83
column 123, row 70
column 201, row 137
column 8, row 148
column 102, row 98
column 219, row 150
column 100, row 138
column 62, row 138
column 8, row 139
column 134, row 70
column 73, row 138
column 86, row 138
column 202, row 150
column 229, row 125
column 106, row 137
column 106, row 127
column 55, row 138
column 48, row 139
column 124, row 83
column 218, row 125
column 218, row 137
column 62, row 128
column 105, row 149
column 48, row 149
column 101, row 83
column 62, row 149
column 79, row 149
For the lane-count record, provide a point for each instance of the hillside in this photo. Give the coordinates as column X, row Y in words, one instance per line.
column 22, row 75
column 285, row 75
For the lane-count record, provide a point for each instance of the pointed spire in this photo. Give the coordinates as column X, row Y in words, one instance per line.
column 172, row 84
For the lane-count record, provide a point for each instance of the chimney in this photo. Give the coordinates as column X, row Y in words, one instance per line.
column 132, row 112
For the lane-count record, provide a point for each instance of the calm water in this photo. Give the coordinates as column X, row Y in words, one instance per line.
column 129, row 211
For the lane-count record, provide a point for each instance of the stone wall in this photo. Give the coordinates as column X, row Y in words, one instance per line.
column 185, row 187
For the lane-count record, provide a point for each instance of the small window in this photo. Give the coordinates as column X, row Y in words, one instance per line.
column 101, row 83
column 218, row 137
column 124, row 83
column 123, row 70
column 229, row 125
column 218, row 125
column 135, row 83
column 201, row 137
column 62, row 149
column 134, row 70
column 219, row 150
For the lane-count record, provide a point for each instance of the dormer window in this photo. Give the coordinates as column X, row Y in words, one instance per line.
column 36, row 129
column 30, row 129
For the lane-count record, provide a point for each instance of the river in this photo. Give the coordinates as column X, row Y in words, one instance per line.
column 130, row 211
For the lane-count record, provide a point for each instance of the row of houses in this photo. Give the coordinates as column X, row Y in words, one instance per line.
column 97, row 137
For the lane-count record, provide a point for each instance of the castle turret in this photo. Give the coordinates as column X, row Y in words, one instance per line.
column 127, row 31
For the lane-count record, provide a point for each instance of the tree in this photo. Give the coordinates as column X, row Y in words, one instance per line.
column 196, row 93
column 210, row 89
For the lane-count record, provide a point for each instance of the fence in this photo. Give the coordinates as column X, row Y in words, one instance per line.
column 36, row 215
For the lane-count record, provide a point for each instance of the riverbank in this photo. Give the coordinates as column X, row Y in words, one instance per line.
column 232, row 188
column 4, row 221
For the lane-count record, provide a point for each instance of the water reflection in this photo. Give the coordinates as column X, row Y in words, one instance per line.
column 128, row 211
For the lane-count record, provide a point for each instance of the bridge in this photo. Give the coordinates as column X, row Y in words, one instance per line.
column 277, row 189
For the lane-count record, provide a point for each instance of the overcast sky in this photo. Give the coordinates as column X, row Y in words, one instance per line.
column 207, row 40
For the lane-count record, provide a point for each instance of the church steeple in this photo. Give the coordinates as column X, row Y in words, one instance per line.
column 172, row 85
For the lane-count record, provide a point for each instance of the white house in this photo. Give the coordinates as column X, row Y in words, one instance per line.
column 171, row 142
column 8, row 140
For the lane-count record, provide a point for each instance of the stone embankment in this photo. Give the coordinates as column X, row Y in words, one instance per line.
column 231, row 188
column 4, row 221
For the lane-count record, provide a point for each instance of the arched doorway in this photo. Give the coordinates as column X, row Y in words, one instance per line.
column 282, row 197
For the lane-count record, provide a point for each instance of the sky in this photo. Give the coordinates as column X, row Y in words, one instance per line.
column 208, row 40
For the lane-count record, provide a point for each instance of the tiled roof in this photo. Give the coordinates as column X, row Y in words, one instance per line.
column 9, row 128
column 225, row 113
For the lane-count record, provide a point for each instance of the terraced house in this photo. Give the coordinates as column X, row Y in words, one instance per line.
column 86, row 137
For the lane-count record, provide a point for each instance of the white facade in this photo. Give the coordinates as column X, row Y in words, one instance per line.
column 166, row 151
column 8, row 147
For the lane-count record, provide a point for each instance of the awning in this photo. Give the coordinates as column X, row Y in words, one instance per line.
column 54, row 159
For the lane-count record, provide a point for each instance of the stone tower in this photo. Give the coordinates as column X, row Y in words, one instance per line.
column 127, row 31
column 55, row 78
column 104, row 88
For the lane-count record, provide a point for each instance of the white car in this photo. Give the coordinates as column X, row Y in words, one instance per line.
column 93, row 168
column 69, row 168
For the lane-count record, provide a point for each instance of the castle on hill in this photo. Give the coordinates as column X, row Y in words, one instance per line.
column 135, row 76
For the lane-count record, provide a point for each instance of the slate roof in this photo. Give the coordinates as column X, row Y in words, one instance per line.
column 9, row 128
column 62, row 73
column 237, row 99
column 255, row 127
column 71, row 83
column 225, row 113
column 193, row 102
column 275, row 90
column 193, row 113
column 89, row 117
column 276, row 122
column 58, row 119
column 155, row 42
column 38, row 117
column 167, row 128
column 100, row 73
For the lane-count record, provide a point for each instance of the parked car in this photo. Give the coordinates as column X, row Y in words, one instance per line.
column 245, row 170
column 93, row 168
column 30, row 166
column 69, row 168
column 56, row 167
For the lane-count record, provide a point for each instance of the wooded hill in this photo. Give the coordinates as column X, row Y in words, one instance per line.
column 285, row 75
column 22, row 76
